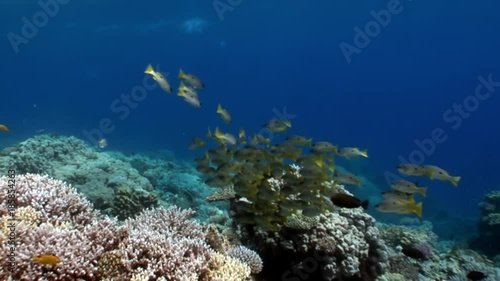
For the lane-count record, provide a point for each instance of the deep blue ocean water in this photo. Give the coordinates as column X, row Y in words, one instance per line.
column 262, row 57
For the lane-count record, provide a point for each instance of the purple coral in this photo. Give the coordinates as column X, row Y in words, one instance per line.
column 54, row 219
column 247, row 256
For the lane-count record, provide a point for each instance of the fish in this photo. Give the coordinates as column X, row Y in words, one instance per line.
column 413, row 170
column 277, row 125
column 186, row 91
column 190, row 96
column 4, row 128
column 414, row 253
column 435, row 172
column 299, row 140
column 159, row 78
column 408, row 187
column 323, row 146
column 400, row 207
column 475, row 275
column 47, row 259
column 346, row 178
column 260, row 139
column 196, row 143
column 224, row 114
column 347, row 201
column 191, row 79
column 242, row 137
column 193, row 101
column 102, row 143
column 224, row 138
column 397, row 195
column 349, row 152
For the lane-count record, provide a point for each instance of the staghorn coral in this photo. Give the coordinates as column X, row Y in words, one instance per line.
column 225, row 268
column 166, row 243
column 158, row 244
column 247, row 256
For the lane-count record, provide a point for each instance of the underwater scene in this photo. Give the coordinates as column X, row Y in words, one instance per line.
column 233, row 140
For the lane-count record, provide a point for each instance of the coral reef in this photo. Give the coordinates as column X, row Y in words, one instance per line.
column 99, row 176
column 341, row 244
column 489, row 225
column 53, row 219
column 444, row 261
column 117, row 184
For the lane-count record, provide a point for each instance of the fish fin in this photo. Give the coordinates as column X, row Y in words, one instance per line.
column 455, row 180
column 219, row 108
column 423, row 191
column 364, row 204
column 217, row 132
column 181, row 73
column 149, row 70
column 429, row 174
column 418, row 210
column 310, row 141
column 364, row 153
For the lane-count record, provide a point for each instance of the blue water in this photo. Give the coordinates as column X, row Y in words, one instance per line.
column 264, row 56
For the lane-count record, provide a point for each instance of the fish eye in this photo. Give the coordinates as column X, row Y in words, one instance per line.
column 440, row 172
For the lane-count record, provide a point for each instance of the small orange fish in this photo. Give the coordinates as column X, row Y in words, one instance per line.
column 4, row 128
column 47, row 259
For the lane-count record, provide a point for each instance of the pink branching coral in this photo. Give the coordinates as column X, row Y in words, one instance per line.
column 247, row 256
column 166, row 243
column 53, row 219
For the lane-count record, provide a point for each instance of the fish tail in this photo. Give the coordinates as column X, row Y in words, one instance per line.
column 149, row 70
column 181, row 73
column 418, row 210
column 219, row 108
column 364, row 153
column 217, row 133
column 364, row 204
column 423, row 191
column 455, row 180
column 310, row 141
column 429, row 174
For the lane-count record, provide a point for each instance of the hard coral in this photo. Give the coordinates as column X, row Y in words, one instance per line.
column 53, row 219
column 61, row 223
column 343, row 244
column 247, row 256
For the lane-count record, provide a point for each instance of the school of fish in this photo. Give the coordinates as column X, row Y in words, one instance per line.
column 248, row 163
